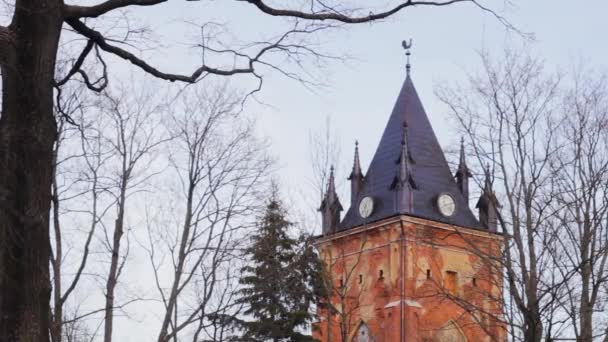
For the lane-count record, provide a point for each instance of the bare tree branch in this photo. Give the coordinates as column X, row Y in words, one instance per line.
column 101, row 41
column 75, row 11
column 342, row 17
column 77, row 64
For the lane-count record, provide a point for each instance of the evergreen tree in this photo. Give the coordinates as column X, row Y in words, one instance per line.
column 278, row 283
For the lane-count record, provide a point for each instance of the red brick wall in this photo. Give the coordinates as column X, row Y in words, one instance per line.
column 423, row 309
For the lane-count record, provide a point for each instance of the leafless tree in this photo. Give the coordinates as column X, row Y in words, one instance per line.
column 29, row 48
column 79, row 158
column 132, row 135
column 222, row 169
column 580, row 178
column 509, row 114
column 110, row 158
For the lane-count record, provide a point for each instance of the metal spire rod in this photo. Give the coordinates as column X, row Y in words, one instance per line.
column 407, row 46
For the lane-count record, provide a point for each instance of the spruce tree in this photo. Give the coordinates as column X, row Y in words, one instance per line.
column 278, row 282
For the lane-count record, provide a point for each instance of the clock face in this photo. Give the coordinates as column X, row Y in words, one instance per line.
column 446, row 205
column 366, row 206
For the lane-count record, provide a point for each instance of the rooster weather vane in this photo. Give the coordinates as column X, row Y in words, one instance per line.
column 407, row 46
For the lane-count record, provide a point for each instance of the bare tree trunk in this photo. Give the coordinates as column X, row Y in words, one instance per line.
column 179, row 269
column 132, row 138
column 112, row 279
column 57, row 256
column 27, row 135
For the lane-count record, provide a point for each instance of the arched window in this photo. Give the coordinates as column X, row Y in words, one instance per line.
column 363, row 334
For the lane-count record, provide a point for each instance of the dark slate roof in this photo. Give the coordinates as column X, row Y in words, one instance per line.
column 430, row 172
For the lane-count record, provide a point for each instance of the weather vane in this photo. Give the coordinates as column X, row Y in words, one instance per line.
column 407, row 46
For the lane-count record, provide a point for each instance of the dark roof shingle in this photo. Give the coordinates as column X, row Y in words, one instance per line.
column 429, row 169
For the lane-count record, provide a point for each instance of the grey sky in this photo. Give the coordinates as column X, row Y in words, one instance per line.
column 359, row 95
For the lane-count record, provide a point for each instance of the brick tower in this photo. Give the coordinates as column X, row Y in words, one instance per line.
column 409, row 261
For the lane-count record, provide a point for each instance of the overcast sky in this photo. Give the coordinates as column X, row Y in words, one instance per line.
column 361, row 94
column 358, row 95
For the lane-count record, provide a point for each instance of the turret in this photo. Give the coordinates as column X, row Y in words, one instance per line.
column 403, row 184
column 330, row 207
column 356, row 177
column 463, row 174
column 488, row 205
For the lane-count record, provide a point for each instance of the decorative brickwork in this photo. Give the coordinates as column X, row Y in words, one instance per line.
column 394, row 283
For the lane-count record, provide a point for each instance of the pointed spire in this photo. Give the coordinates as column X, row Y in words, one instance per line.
column 463, row 162
column 356, row 177
column 331, row 184
column 428, row 173
column 463, row 174
column 488, row 204
column 487, row 186
column 356, row 162
column 403, row 183
column 330, row 206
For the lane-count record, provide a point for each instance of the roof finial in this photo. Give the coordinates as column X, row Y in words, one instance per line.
column 462, row 154
column 407, row 46
column 404, row 158
column 488, row 181
column 331, row 186
column 462, row 173
column 488, row 204
column 356, row 177
column 356, row 163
